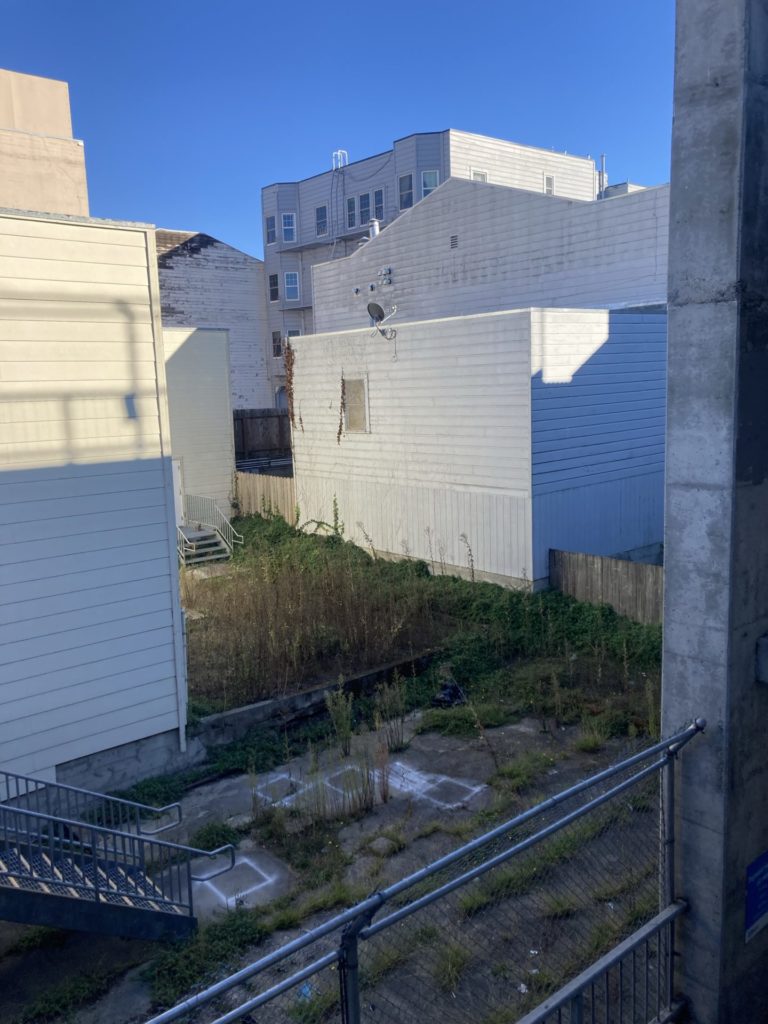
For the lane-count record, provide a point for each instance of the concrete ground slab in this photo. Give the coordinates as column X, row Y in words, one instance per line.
column 257, row 879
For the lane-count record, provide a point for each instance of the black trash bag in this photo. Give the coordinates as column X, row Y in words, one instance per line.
column 451, row 694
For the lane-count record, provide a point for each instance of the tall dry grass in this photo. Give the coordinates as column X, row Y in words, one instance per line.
column 299, row 608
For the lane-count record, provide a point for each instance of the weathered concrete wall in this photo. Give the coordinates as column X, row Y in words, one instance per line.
column 716, row 543
column 42, row 168
column 29, row 103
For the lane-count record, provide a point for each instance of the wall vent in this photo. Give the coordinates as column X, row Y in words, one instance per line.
column 454, row 241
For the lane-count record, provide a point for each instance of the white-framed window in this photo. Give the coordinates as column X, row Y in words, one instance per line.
column 351, row 212
column 406, row 191
column 355, row 405
column 270, row 231
column 549, row 184
column 294, row 334
column 281, row 398
column 429, row 182
column 364, row 205
column 274, row 288
column 291, row 285
column 378, row 203
column 277, row 344
column 289, row 227
column 321, row 220
column 477, row 175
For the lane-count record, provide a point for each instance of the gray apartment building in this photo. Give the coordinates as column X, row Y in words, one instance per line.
column 326, row 216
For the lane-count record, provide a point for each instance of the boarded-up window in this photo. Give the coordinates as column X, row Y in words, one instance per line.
column 355, row 406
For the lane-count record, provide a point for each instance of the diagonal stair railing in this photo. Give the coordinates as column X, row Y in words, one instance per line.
column 54, row 856
column 84, row 805
column 204, row 511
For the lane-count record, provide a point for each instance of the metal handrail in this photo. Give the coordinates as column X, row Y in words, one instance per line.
column 198, row 508
column 75, row 801
column 165, row 864
column 360, row 916
column 574, row 990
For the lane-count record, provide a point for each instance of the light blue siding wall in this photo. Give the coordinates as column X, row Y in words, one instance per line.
column 598, row 411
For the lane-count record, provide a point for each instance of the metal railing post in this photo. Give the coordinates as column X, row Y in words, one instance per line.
column 668, row 861
column 576, row 1009
column 349, row 968
column 95, row 863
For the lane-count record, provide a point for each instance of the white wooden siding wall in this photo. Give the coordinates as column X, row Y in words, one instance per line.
column 598, row 412
column 200, row 413
column 221, row 287
column 90, row 625
column 448, row 450
column 509, row 163
column 515, row 249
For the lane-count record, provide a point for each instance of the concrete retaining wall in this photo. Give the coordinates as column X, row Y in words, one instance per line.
column 123, row 766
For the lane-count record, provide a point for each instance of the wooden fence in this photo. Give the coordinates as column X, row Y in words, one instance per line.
column 261, row 432
column 634, row 589
column 259, row 491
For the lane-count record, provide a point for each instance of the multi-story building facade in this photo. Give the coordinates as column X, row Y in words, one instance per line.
column 326, row 216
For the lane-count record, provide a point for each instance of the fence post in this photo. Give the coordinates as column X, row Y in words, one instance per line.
column 668, row 861
column 349, row 968
column 577, row 1009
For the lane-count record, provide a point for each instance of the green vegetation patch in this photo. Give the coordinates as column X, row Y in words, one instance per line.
column 192, row 964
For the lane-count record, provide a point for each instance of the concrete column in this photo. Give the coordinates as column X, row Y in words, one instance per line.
column 716, row 533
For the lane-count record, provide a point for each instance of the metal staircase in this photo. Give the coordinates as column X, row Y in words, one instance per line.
column 206, row 534
column 72, row 858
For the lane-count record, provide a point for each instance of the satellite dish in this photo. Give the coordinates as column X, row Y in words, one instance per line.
column 376, row 313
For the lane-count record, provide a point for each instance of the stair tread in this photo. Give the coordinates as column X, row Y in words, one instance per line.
column 60, row 876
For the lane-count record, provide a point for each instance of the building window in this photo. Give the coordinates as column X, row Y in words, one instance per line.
column 351, row 212
column 294, row 334
column 281, row 398
column 274, row 291
column 289, row 227
column 479, row 175
column 406, row 191
column 271, row 231
column 321, row 220
column 355, row 406
column 365, row 209
column 277, row 344
column 378, row 204
column 291, row 286
column 429, row 182
column 549, row 184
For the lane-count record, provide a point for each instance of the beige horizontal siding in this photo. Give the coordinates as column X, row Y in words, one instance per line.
column 89, row 614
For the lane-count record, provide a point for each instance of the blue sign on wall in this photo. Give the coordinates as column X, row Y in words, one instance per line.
column 757, row 897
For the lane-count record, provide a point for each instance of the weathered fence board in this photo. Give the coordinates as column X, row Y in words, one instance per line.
column 259, row 492
column 261, row 432
column 634, row 589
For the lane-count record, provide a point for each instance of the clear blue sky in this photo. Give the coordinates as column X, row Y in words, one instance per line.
column 188, row 107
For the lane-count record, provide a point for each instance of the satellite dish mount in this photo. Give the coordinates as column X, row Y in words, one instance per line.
column 379, row 318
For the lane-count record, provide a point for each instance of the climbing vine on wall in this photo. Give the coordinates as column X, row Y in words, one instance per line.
column 289, row 357
column 342, row 408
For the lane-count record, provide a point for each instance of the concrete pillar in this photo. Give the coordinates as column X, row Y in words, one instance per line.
column 716, row 534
